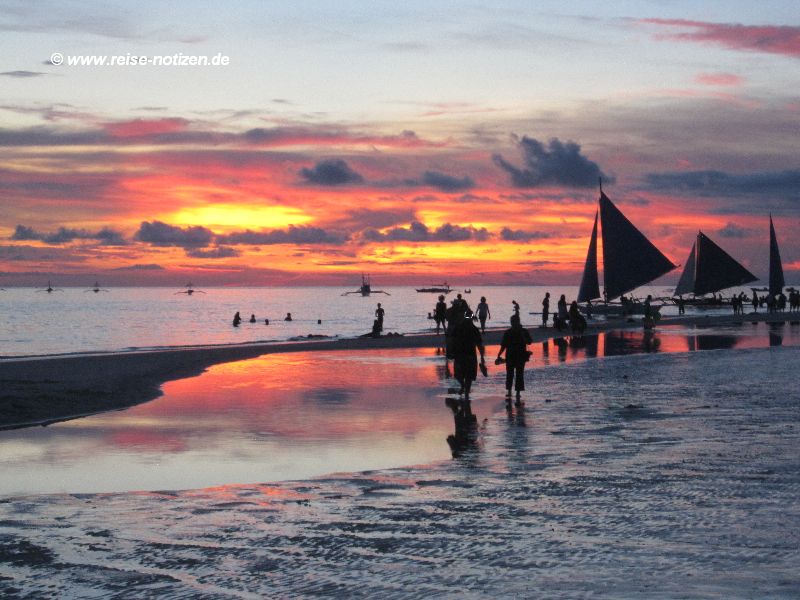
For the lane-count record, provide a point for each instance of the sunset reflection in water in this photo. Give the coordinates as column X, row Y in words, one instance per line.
column 300, row 415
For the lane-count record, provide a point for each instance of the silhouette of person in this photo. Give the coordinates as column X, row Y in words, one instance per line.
column 379, row 312
column 252, row 318
column 288, row 317
column 483, row 313
column 576, row 320
column 515, row 307
column 236, row 319
column 755, row 302
column 515, row 344
column 439, row 314
column 545, row 309
column 266, row 321
column 466, row 339
column 681, row 305
column 563, row 316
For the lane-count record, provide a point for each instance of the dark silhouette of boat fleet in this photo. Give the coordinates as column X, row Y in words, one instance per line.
column 630, row 260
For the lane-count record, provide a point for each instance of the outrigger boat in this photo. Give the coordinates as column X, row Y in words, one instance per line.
column 630, row 260
column 443, row 288
column 366, row 288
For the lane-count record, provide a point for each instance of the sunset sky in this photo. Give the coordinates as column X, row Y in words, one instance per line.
column 414, row 141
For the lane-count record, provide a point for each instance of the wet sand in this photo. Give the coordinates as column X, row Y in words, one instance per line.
column 43, row 390
column 649, row 476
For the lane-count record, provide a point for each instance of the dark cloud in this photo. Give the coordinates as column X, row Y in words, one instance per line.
column 719, row 183
column 361, row 218
column 291, row 235
column 140, row 267
column 731, row 230
column 332, row 171
column 22, row 74
column 518, row 235
column 217, row 252
column 161, row 234
column 106, row 236
column 419, row 232
column 557, row 164
column 447, row 183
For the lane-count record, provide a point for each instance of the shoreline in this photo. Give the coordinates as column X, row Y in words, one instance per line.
column 48, row 389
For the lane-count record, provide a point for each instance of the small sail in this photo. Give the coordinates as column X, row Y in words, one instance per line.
column 629, row 258
column 686, row 282
column 716, row 269
column 590, row 287
column 776, row 281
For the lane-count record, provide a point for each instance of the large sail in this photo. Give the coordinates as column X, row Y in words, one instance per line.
column 590, row 287
column 716, row 269
column 629, row 258
column 686, row 282
column 776, row 281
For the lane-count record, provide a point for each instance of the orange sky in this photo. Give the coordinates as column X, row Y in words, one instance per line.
column 474, row 158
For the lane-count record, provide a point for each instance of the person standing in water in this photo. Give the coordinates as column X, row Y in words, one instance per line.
column 483, row 313
column 545, row 309
column 515, row 344
column 379, row 312
column 439, row 314
column 236, row 319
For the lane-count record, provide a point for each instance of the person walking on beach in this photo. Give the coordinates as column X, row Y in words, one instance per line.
column 755, row 302
column 379, row 312
column 466, row 339
column 439, row 314
column 236, row 319
column 681, row 305
column 483, row 313
column 545, row 309
column 515, row 344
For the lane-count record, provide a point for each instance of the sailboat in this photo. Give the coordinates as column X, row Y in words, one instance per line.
column 708, row 270
column 630, row 260
column 776, row 281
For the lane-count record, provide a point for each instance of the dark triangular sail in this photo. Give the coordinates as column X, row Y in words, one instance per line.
column 590, row 286
column 629, row 258
column 686, row 282
column 716, row 269
column 776, row 281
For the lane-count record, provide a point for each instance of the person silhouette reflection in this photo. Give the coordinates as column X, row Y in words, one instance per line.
column 466, row 428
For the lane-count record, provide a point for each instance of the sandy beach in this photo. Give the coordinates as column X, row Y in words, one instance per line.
column 41, row 390
column 680, row 482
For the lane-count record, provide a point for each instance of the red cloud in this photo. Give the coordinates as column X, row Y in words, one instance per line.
column 727, row 79
column 145, row 127
column 774, row 39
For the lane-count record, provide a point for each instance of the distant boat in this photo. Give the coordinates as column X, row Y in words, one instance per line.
column 776, row 281
column 50, row 289
column 710, row 269
column 96, row 289
column 366, row 288
column 190, row 290
column 442, row 288
column 630, row 260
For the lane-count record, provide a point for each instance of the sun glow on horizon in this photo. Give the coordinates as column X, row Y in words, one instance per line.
column 232, row 217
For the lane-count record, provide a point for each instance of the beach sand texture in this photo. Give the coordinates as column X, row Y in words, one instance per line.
column 658, row 476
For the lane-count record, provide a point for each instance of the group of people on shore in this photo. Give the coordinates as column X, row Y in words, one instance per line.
column 564, row 317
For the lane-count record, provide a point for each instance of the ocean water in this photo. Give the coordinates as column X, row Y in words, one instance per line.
column 668, row 473
column 74, row 320
column 307, row 414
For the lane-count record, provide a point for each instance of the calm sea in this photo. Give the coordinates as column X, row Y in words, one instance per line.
column 122, row 319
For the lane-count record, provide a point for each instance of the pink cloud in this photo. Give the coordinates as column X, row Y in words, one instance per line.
column 145, row 127
column 719, row 79
column 773, row 39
